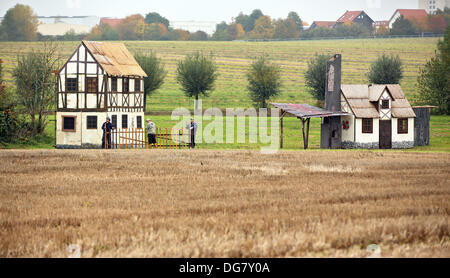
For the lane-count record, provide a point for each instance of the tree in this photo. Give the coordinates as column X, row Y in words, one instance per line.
column 264, row 81
column 35, row 83
column 20, row 23
column 434, row 79
column 156, row 18
column 297, row 20
column 154, row 68
column 183, row 35
column 315, row 77
column 196, row 74
column 235, row 32
column 253, row 17
column 286, row 29
column 403, row 26
column 70, row 35
column 133, row 27
column 245, row 22
column 199, row 36
column 263, row 28
column 155, row 31
column 437, row 24
column 221, row 32
column 108, row 33
column 386, row 70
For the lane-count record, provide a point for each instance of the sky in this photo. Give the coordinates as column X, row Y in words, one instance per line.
column 210, row 10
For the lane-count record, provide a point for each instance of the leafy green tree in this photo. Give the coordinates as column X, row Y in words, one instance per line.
column 253, row 17
column 403, row 26
column 297, row 20
column 154, row 68
column 197, row 74
column 386, row 69
column 264, row 28
column 109, row 33
column 221, row 32
column 35, row 83
column 245, row 21
column 20, row 23
column 264, row 81
column 199, row 36
column 286, row 29
column 434, row 79
column 156, row 18
column 315, row 77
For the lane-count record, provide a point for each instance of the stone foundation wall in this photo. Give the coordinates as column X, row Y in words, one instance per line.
column 403, row 145
column 83, row 146
column 356, row 145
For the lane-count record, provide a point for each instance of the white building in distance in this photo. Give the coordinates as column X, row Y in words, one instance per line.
column 431, row 6
column 209, row 27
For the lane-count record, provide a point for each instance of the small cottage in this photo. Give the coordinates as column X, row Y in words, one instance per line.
column 99, row 80
column 380, row 116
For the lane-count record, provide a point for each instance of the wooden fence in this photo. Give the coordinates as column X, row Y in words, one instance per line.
column 136, row 138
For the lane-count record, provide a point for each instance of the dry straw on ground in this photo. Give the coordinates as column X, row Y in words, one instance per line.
column 163, row 203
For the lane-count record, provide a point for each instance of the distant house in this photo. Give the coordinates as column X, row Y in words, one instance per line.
column 61, row 28
column 431, row 6
column 357, row 17
column 99, row 80
column 381, row 24
column 113, row 22
column 416, row 15
column 323, row 24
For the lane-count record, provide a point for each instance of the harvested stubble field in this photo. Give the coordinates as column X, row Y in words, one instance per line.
column 205, row 203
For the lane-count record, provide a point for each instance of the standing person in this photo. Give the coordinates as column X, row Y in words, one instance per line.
column 151, row 132
column 107, row 127
column 192, row 127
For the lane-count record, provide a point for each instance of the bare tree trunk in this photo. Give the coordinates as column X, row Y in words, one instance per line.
column 33, row 124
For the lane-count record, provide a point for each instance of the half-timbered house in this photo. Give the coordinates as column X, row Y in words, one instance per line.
column 100, row 80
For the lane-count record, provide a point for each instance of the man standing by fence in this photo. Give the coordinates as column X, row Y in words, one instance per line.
column 192, row 128
column 106, row 138
column 151, row 132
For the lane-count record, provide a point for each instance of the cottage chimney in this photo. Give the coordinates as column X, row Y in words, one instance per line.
column 333, row 84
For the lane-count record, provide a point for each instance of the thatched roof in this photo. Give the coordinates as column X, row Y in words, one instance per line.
column 114, row 58
column 363, row 100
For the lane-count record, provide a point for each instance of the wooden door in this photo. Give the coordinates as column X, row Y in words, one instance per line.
column 385, row 134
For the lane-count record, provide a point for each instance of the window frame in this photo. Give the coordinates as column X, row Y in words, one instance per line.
column 367, row 128
column 68, row 87
column 125, row 121
column 114, row 121
column 402, row 126
column 87, row 122
column 125, row 85
column 114, row 84
column 383, row 102
column 138, row 121
column 74, row 123
column 137, row 85
column 88, row 85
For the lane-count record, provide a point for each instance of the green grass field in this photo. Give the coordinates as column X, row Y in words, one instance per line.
column 234, row 58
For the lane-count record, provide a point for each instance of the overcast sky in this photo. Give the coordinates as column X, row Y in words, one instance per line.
column 210, row 10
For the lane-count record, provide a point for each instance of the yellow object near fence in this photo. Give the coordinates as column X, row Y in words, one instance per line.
column 136, row 138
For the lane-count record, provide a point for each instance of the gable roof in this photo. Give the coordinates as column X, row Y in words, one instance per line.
column 113, row 22
column 114, row 58
column 411, row 13
column 361, row 100
column 350, row 16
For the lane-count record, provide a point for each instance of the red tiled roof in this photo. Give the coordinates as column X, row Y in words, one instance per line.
column 326, row 24
column 113, row 22
column 412, row 13
column 349, row 16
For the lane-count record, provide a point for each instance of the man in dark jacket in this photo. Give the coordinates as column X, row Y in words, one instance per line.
column 192, row 128
column 107, row 127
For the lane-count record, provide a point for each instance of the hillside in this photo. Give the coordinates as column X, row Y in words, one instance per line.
column 233, row 59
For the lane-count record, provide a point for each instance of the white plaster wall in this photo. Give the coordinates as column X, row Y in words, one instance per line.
column 385, row 114
column 367, row 137
column 68, row 137
column 403, row 137
column 348, row 134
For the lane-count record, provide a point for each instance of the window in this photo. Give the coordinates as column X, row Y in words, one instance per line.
column 114, row 84
column 91, row 122
column 402, row 126
column 126, row 87
column 68, row 123
column 367, row 125
column 139, row 121
column 385, row 104
column 91, row 84
column 72, row 84
column 124, row 121
column 137, row 85
column 114, row 121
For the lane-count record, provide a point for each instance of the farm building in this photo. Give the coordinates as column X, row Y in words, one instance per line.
column 377, row 116
column 100, row 80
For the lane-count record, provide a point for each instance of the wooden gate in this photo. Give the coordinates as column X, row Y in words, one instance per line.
column 136, row 138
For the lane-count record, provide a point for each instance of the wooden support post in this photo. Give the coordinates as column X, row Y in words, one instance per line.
column 283, row 113
column 305, row 134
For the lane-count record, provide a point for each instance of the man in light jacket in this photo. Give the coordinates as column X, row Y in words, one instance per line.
column 151, row 131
